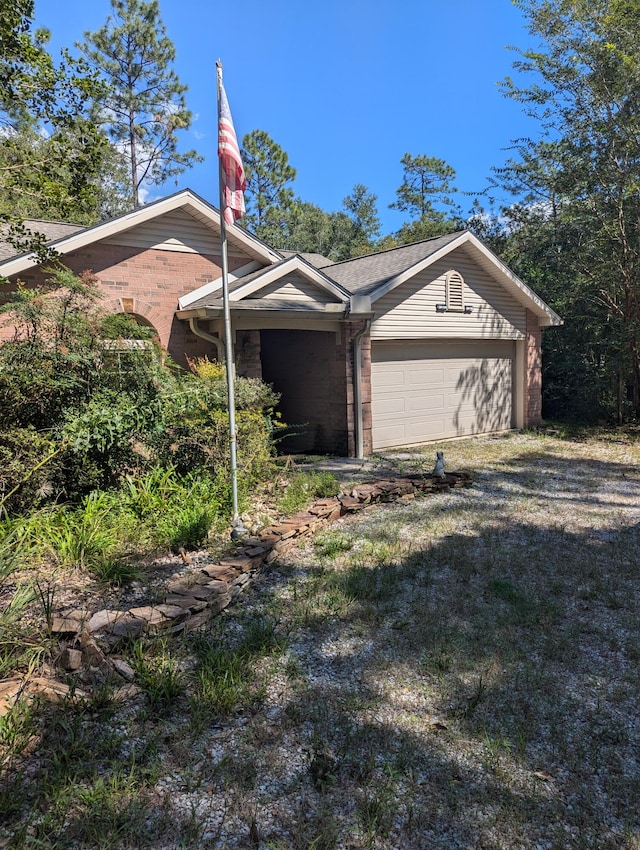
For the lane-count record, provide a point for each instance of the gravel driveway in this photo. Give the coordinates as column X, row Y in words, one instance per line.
column 461, row 671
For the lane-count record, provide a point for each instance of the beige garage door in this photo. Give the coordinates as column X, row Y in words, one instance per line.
column 431, row 390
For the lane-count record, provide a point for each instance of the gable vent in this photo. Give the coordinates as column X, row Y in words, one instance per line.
column 455, row 291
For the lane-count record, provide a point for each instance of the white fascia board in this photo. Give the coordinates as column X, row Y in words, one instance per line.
column 215, row 285
column 108, row 229
column 281, row 270
column 415, row 269
column 518, row 288
column 510, row 281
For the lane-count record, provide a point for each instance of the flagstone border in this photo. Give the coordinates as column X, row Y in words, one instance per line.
column 190, row 600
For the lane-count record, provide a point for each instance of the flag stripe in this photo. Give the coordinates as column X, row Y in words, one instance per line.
column 233, row 177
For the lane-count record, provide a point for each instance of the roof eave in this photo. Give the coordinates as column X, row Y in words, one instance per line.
column 184, row 199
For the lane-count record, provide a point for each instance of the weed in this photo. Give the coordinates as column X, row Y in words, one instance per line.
column 158, row 673
column 304, row 487
column 375, row 806
column 332, row 543
column 116, row 570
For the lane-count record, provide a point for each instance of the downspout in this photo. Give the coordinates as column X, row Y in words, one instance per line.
column 197, row 330
column 357, row 387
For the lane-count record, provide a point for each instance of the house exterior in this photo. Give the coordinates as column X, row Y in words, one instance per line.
column 429, row 341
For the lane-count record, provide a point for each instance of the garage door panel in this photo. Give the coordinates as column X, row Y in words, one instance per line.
column 391, row 377
column 421, row 392
column 391, row 406
column 426, row 403
column 425, row 375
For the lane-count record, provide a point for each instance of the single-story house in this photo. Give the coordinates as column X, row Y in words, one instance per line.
column 428, row 341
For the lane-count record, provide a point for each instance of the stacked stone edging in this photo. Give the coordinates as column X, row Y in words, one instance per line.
column 189, row 602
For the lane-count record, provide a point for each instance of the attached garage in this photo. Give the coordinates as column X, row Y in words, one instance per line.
column 431, row 390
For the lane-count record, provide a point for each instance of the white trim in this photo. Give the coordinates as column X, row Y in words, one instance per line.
column 186, row 200
column 508, row 279
column 215, row 285
column 275, row 273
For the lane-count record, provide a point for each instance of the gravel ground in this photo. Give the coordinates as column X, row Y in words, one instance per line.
column 458, row 672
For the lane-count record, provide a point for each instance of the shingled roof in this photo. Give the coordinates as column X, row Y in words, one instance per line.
column 363, row 275
column 50, row 230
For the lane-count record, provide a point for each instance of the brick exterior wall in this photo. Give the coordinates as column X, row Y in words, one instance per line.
column 533, row 372
column 147, row 283
column 308, row 369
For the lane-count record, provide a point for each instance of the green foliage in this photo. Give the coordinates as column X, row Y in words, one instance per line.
column 304, row 487
column 158, row 674
column 360, row 207
column 579, row 179
column 226, row 679
column 426, row 180
column 268, row 195
column 31, row 469
column 84, row 536
column 143, row 106
column 51, row 154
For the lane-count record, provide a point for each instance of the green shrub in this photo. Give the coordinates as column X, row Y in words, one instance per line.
column 304, row 487
column 31, row 466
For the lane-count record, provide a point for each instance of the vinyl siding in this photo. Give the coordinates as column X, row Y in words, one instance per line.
column 175, row 231
column 295, row 288
column 409, row 311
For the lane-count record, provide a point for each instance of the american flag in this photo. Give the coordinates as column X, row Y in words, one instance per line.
column 233, row 179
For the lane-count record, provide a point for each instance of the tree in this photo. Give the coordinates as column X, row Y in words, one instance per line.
column 427, row 181
column 579, row 184
column 51, row 154
column 144, row 105
column 360, row 207
column 268, row 173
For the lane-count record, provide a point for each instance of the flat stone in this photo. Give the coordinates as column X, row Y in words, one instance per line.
column 349, row 503
column 123, row 669
column 102, row 620
column 217, row 587
column 70, row 659
column 9, row 693
column 256, row 551
column 126, row 692
column 152, row 615
column 92, row 655
column 66, row 625
column 221, row 573
column 219, row 602
column 205, row 592
column 51, row 690
column 174, row 612
column 188, row 602
column 128, row 626
column 239, row 562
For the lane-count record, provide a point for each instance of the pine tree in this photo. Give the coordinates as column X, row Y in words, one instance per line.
column 268, row 175
column 145, row 104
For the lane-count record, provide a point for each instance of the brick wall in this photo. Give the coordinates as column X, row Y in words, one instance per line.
column 308, row 369
column 146, row 282
column 533, row 372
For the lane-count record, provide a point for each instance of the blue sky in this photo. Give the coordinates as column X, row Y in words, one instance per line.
column 345, row 87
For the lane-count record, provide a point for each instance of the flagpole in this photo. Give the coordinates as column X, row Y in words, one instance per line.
column 238, row 529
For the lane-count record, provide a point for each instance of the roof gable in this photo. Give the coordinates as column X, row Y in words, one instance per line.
column 122, row 228
column 488, row 261
column 290, row 279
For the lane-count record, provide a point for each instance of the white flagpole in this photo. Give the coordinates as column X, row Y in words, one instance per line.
column 236, row 522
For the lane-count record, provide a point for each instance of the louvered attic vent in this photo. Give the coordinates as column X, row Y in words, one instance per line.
column 455, row 291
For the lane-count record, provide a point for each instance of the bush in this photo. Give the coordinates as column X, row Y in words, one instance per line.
column 31, row 465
